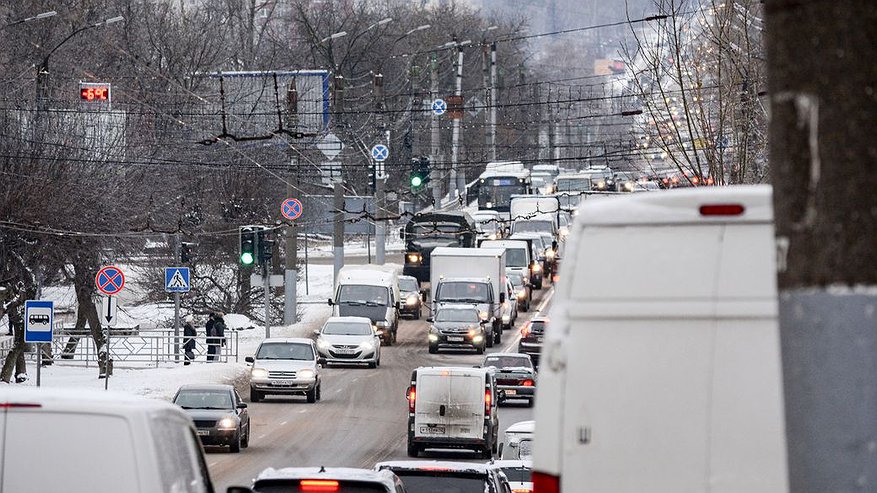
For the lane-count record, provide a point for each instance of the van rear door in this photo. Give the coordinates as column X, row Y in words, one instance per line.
column 449, row 405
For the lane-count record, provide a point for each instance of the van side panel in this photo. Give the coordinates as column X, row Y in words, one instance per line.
column 87, row 453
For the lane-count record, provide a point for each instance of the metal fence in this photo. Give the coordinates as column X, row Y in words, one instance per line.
column 140, row 348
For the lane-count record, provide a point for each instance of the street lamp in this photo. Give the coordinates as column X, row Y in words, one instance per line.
column 423, row 27
column 43, row 15
column 334, row 36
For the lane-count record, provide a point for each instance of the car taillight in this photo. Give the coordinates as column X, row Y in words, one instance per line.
column 19, row 405
column 522, row 490
column 525, row 331
column 722, row 210
column 528, row 383
column 545, row 483
column 318, row 485
column 487, row 400
column 412, row 398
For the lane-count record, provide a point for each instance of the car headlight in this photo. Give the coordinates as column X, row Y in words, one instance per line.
column 413, row 258
column 258, row 373
column 322, row 344
column 537, row 268
column 411, row 300
column 488, row 204
column 483, row 315
column 366, row 346
column 550, row 254
column 492, row 236
column 227, row 423
column 433, row 337
column 522, row 294
column 506, row 318
column 307, row 373
column 477, row 339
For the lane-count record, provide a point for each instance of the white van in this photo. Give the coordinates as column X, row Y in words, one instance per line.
column 370, row 291
column 661, row 368
column 80, row 441
column 453, row 408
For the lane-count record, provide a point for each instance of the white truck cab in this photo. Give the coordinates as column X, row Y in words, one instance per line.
column 661, row 369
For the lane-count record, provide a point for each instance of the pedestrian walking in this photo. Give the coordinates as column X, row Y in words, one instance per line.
column 189, row 340
column 218, row 333
column 212, row 343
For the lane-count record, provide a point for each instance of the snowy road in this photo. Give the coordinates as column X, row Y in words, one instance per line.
column 360, row 419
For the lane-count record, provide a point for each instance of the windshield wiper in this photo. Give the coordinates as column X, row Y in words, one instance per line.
column 353, row 303
column 215, row 408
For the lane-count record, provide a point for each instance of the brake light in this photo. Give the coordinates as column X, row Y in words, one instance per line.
column 318, row 485
column 545, row 483
column 528, row 383
column 487, row 400
column 525, row 331
column 19, row 405
column 722, row 210
column 522, row 490
column 412, row 398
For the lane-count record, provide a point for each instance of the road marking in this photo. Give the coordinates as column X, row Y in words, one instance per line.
column 283, row 423
column 263, row 436
column 217, row 462
column 339, row 390
column 538, row 311
column 355, row 379
column 305, row 410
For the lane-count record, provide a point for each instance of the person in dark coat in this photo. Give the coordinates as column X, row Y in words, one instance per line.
column 218, row 333
column 212, row 343
column 189, row 340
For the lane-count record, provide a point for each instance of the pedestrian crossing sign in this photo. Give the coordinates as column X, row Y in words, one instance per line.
column 176, row 279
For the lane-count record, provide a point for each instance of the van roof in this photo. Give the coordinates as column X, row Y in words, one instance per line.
column 504, row 244
column 79, row 400
column 438, row 370
column 361, row 320
column 467, row 252
column 680, row 206
column 433, row 465
column 337, row 473
column 367, row 275
column 521, row 427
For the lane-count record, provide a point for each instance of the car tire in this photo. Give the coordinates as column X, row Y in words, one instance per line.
column 246, row 441
column 235, row 445
column 255, row 395
column 433, row 349
column 486, row 452
column 413, row 450
column 497, row 337
column 479, row 350
column 320, row 392
column 417, row 314
column 530, row 402
column 372, row 364
column 311, row 395
column 490, row 340
column 393, row 335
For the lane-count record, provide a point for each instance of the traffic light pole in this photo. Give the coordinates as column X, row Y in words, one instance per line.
column 338, row 205
column 266, row 284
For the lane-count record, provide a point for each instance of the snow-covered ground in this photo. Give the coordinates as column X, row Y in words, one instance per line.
column 162, row 382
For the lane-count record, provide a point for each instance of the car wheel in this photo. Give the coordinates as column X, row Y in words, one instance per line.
column 497, row 338
column 417, row 314
column 235, row 445
column 479, row 350
column 530, row 402
column 372, row 364
column 486, row 452
column 255, row 396
column 413, row 450
column 490, row 339
column 246, row 441
column 312, row 395
column 393, row 335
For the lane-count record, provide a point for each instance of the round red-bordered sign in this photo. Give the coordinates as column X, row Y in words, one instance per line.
column 291, row 209
column 109, row 280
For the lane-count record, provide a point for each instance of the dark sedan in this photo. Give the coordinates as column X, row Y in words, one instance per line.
column 411, row 296
column 514, row 374
column 531, row 338
column 219, row 414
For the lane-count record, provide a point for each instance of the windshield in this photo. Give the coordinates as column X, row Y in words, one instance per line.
column 486, row 226
column 204, row 399
column 508, row 362
column 454, row 315
column 347, row 329
column 467, row 292
column 434, row 483
column 516, row 278
column 443, row 231
column 356, row 294
column 518, row 474
column 573, row 184
column 285, row 350
column 493, row 194
column 532, row 226
column 516, row 257
column 407, row 285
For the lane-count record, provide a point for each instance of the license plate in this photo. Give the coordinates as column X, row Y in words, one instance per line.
column 510, row 392
column 432, row 430
column 203, row 433
column 345, row 351
column 456, row 339
column 284, row 383
column 539, row 340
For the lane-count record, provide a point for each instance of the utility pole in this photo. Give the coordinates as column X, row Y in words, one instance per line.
column 491, row 101
column 381, row 176
column 178, row 247
column 339, row 189
column 485, row 82
column 822, row 152
column 458, row 176
column 290, row 281
column 435, row 134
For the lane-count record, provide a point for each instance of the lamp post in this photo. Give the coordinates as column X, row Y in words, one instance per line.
column 43, row 15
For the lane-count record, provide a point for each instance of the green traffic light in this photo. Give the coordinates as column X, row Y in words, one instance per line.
column 247, row 258
column 416, row 181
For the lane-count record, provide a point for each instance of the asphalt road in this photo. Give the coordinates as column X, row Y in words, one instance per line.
column 361, row 418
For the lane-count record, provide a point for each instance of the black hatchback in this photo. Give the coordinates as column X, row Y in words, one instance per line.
column 531, row 338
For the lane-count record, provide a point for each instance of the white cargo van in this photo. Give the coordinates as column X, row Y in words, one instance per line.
column 80, row 441
column 370, row 291
column 453, row 408
column 667, row 378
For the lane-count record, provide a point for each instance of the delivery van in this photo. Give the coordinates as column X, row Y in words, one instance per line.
column 661, row 369
column 83, row 441
column 453, row 408
column 370, row 291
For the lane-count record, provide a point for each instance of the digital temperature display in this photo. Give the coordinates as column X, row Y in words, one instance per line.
column 94, row 92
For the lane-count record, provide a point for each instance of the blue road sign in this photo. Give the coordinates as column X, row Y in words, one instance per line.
column 380, row 153
column 176, row 279
column 291, row 209
column 39, row 316
column 439, row 107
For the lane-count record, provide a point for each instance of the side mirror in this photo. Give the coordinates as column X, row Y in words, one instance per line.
column 242, row 405
column 408, row 393
column 501, row 395
column 321, row 361
column 330, row 302
column 397, row 305
column 249, row 359
column 238, row 489
column 502, row 297
column 554, row 245
column 430, row 320
column 499, row 452
column 316, row 332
